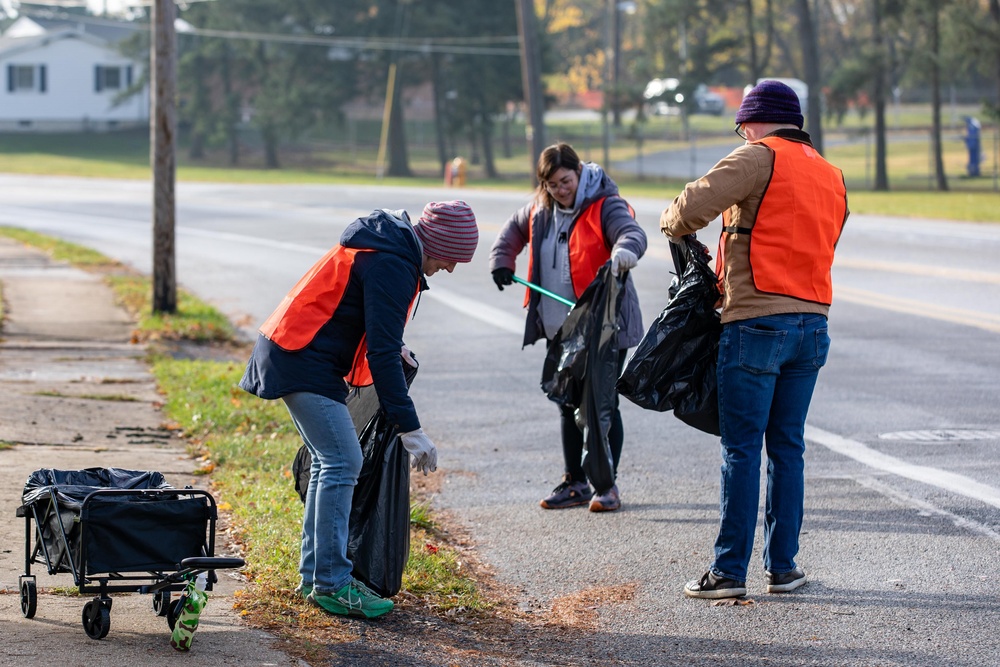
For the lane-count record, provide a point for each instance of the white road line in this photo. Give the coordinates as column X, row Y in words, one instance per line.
column 472, row 308
column 918, row 270
column 942, row 479
column 970, row 318
column 903, row 499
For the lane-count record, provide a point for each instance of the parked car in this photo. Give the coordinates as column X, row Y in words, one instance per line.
column 662, row 97
column 666, row 99
column 705, row 101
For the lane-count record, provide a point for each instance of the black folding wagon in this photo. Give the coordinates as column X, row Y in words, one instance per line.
column 117, row 531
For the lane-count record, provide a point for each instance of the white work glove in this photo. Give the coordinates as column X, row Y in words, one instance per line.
column 408, row 357
column 425, row 456
column 622, row 260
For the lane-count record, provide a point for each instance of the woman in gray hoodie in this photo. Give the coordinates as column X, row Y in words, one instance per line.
column 576, row 222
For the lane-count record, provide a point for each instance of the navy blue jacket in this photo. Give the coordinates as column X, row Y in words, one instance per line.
column 375, row 302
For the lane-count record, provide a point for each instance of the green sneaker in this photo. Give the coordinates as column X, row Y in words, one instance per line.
column 304, row 590
column 354, row 599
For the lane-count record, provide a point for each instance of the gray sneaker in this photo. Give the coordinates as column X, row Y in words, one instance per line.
column 568, row 494
column 786, row 581
column 609, row 501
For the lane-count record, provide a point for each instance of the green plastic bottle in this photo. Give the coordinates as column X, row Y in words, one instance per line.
column 187, row 621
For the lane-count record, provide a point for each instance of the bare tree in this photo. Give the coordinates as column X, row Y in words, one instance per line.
column 878, row 98
column 810, row 61
column 934, row 38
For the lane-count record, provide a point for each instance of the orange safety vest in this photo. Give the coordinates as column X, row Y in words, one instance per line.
column 312, row 302
column 798, row 224
column 587, row 249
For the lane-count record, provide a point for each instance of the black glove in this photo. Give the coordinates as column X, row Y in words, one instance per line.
column 503, row 277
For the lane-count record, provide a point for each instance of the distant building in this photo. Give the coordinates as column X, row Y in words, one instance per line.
column 64, row 74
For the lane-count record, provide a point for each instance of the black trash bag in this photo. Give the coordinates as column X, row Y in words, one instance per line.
column 72, row 486
column 581, row 368
column 674, row 365
column 379, row 538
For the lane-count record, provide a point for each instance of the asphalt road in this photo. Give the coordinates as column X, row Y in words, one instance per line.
column 902, row 530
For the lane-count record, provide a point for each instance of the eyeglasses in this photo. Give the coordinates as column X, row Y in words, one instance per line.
column 564, row 182
column 741, row 132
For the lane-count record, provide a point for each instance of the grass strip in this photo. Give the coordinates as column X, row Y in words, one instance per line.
column 60, row 250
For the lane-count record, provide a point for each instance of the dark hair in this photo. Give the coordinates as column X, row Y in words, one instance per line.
column 552, row 159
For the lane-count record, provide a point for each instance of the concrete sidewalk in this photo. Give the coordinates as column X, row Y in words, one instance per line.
column 77, row 394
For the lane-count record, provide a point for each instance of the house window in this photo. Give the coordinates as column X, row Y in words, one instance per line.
column 112, row 77
column 25, row 78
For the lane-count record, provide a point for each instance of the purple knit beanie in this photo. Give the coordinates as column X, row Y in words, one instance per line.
column 770, row 102
column 447, row 230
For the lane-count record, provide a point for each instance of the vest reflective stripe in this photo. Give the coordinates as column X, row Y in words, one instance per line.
column 587, row 250
column 798, row 224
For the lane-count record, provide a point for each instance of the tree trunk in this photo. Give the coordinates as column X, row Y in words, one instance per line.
column 810, row 60
column 399, row 164
column 531, row 77
column 995, row 13
column 232, row 109
column 486, row 136
column 438, row 112
column 201, row 110
column 752, row 41
column 505, row 134
column 878, row 95
column 941, row 181
column 270, row 136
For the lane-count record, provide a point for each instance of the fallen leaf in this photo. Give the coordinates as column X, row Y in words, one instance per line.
column 733, row 602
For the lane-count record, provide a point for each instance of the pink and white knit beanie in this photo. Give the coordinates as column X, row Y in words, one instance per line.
column 448, row 231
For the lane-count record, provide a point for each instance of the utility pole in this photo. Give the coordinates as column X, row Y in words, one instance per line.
column 531, row 80
column 616, row 105
column 606, row 87
column 162, row 127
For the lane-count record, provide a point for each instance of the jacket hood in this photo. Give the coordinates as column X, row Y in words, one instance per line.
column 385, row 231
column 594, row 184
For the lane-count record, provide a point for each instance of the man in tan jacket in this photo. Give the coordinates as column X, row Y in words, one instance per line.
column 783, row 208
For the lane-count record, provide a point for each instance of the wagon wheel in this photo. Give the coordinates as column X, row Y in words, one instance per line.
column 29, row 598
column 161, row 602
column 174, row 610
column 96, row 619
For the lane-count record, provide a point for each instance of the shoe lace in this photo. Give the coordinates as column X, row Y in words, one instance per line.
column 363, row 590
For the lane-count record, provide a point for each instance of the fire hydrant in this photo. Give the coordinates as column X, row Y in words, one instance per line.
column 457, row 172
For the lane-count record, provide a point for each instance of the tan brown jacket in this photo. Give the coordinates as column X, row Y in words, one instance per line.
column 737, row 182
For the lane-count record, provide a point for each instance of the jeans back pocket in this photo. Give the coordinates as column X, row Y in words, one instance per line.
column 760, row 349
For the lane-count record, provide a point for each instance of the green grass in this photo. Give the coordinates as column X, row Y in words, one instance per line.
column 194, row 320
column 60, row 250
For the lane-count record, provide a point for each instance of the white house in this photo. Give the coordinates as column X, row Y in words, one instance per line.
column 57, row 75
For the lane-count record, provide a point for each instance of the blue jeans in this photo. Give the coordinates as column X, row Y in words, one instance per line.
column 328, row 432
column 767, row 372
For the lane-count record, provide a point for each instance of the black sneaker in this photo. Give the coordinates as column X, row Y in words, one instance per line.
column 568, row 494
column 712, row 587
column 786, row 581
